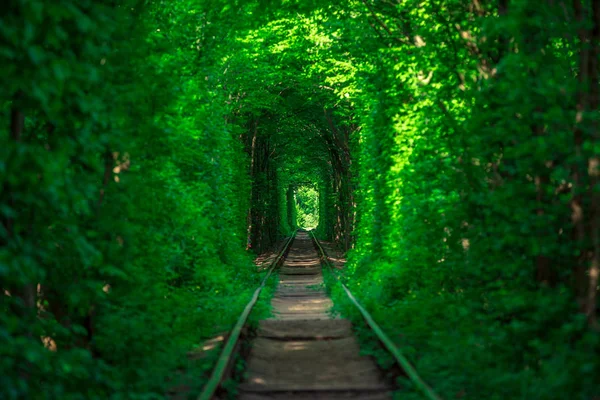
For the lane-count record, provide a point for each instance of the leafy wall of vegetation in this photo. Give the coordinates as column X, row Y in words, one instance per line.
column 147, row 145
column 307, row 206
column 477, row 201
column 117, row 155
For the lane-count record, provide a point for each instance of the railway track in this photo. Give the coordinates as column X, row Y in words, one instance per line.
column 303, row 352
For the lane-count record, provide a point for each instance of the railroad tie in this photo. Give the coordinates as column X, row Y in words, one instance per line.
column 303, row 352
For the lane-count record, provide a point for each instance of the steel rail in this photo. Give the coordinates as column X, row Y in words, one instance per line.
column 410, row 371
column 224, row 358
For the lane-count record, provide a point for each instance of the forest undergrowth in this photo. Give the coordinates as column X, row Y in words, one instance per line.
column 150, row 150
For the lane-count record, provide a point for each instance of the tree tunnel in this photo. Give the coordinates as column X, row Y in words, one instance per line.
column 153, row 153
column 303, row 149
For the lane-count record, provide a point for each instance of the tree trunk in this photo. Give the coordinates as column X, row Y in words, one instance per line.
column 252, row 175
column 593, row 168
column 27, row 292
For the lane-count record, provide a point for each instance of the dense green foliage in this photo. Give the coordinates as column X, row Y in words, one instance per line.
column 307, row 206
column 148, row 145
column 116, row 159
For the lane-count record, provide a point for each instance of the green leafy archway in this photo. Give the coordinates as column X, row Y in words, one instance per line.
column 151, row 149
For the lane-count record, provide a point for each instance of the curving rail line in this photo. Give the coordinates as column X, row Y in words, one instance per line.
column 227, row 353
column 401, row 360
column 224, row 359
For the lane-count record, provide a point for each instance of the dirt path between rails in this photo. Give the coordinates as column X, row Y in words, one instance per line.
column 303, row 352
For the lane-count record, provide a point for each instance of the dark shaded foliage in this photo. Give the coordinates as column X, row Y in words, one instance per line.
column 147, row 146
